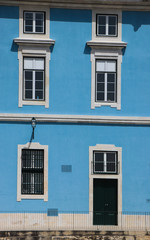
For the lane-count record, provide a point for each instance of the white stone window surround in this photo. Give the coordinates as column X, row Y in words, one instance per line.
column 108, row 38
column 33, row 51
column 28, row 8
column 118, row 177
column 106, row 54
column 30, row 196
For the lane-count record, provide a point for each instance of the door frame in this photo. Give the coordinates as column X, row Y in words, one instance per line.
column 118, row 177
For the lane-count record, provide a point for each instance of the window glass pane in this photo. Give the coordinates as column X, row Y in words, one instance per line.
column 100, row 77
column 39, row 63
column 28, row 75
column 111, row 66
column 38, row 75
column 100, row 66
column 111, row 77
column 39, row 29
column 39, row 16
column 100, row 96
column 111, row 162
column 110, row 87
column 39, row 95
column 112, row 30
column 110, row 97
column 28, row 15
column 112, row 20
column 28, row 22
column 39, row 85
column 28, row 85
column 99, row 162
column 100, row 87
column 28, row 29
column 102, row 20
column 28, row 63
column 28, row 94
column 102, row 30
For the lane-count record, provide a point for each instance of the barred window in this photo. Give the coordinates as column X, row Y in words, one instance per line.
column 32, row 179
column 105, row 162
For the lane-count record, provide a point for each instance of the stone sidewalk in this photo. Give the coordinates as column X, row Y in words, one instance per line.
column 74, row 235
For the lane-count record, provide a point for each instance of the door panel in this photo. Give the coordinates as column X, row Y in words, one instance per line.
column 105, row 202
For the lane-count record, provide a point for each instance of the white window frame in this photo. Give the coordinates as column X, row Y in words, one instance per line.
column 107, row 12
column 28, row 8
column 107, row 25
column 33, row 80
column 34, row 25
column 105, row 163
column 118, row 177
column 32, row 145
column 105, row 80
column 106, row 54
column 33, row 52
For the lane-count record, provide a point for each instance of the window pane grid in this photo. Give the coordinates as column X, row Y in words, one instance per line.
column 106, row 25
column 33, row 79
column 105, row 162
column 105, row 81
column 32, row 171
column 34, row 22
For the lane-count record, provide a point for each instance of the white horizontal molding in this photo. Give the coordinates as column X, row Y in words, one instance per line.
column 32, row 41
column 86, row 4
column 85, row 119
column 99, row 44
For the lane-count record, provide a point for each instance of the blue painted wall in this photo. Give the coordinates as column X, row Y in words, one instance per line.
column 69, row 145
column 70, row 65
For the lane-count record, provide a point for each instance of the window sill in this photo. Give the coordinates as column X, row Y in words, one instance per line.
column 107, row 44
column 99, row 104
column 37, row 103
column 28, row 196
column 33, row 41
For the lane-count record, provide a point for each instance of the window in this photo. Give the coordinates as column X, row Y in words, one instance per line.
column 32, row 175
column 32, row 171
column 34, row 22
column 107, row 25
column 106, row 80
column 105, row 162
column 33, row 78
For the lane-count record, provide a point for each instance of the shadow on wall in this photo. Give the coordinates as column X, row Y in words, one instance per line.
column 14, row 47
column 70, row 15
column 136, row 19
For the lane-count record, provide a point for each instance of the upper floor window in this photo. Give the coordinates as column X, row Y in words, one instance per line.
column 34, row 78
column 106, row 81
column 107, row 25
column 34, row 22
column 105, row 162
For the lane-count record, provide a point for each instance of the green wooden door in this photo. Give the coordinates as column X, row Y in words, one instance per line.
column 105, row 202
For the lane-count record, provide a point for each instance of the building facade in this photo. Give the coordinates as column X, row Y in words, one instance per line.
column 81, row 71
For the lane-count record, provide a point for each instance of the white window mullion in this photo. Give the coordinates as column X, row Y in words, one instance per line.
column 105, row 162
column 106, row 25
column 105, row 88
column 34, row 22
column 33, row 86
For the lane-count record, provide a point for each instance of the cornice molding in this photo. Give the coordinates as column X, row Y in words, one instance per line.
column 86, row 4
column 32, row 41
column 98, row 44
column 77, row 119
